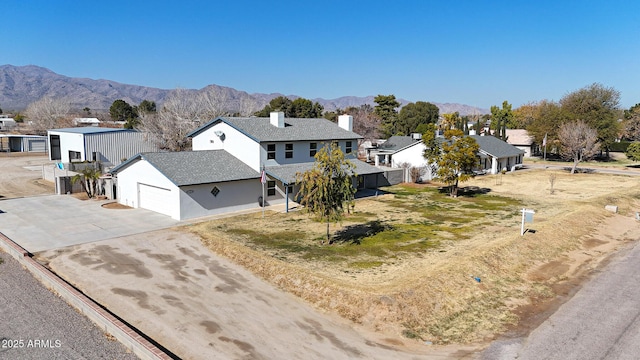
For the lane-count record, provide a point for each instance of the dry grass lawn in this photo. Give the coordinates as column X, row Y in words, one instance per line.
column 406, row 262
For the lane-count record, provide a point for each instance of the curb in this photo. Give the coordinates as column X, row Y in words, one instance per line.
column 130, row 338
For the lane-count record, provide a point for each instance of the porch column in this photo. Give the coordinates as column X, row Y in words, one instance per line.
column 377, row 162
column 286, row 195
column 494, row 165
column 387, row 159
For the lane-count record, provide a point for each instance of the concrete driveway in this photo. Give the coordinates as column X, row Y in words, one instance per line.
column 56, row 221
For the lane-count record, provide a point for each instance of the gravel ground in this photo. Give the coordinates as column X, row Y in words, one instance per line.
column 37, row 324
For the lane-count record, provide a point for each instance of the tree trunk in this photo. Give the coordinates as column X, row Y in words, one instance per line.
column 575, row 165
column 327, row 232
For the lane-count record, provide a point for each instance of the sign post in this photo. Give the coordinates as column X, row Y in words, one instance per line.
column 527, row 216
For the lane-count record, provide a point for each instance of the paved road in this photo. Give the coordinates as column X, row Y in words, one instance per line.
column 602, row 321
column 55, row 221
column 36, row 324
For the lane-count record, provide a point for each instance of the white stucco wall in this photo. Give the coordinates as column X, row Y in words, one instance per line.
column 141, row 172
column 197, row 200
column 69, row 142
column 412, row 155
column 235, row 143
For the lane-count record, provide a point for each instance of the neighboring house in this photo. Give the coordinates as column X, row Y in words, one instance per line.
column 107, row 145
column 7, row 123
column 23, row 143
column 187, row 184
column 497, row 155
column 399, row 151
column 86, row 122
column 521, row 139
column 224, row 171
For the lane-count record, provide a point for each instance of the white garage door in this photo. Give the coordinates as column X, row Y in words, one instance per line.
column 37, row 145
column 154, row 198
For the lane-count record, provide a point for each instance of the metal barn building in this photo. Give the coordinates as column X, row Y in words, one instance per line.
column 107, row 145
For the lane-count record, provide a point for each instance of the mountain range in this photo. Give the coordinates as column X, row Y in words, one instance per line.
column 22, row 85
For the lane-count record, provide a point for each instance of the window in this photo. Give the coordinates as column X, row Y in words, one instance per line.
column 288, row 151
column 313, row 149
column 271, row 151
column 74, row 155
column 348, row 148
column 215, row 191
column 271, row 188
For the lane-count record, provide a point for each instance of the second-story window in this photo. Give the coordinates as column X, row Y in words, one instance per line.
column 348, row 147
column 313, row 149
column 288, row 151
column 271, row 151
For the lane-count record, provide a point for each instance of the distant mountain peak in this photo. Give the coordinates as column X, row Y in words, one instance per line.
column 22, row 85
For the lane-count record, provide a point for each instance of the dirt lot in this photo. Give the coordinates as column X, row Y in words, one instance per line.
column 433, row 295
column 21, row 175
column 166, row 284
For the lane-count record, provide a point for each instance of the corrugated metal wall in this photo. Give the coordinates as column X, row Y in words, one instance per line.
column 114, row 147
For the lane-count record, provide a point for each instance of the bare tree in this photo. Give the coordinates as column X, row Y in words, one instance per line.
column 47, row 113
column 248, row 106
column 579, row 142
column 212, row 101
column 183, row 111
column 365, row 122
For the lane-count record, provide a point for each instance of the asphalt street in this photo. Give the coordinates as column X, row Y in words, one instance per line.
column 600, row 322
column 37, row 324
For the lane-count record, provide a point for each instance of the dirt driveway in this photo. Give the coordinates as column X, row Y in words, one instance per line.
column 21, row 175
column 199, row 305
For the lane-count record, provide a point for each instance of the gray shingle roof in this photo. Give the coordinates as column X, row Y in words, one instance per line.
column 287, row 173
column 196, row 167
column 496, row 147
column 396, row 143
column 261, row 130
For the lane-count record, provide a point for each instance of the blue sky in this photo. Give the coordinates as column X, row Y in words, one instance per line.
column 478, row 53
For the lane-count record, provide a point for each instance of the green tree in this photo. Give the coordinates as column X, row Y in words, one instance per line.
column 120, row 110
column 333, row 115
column 304, row 108
column 327, row 188
column 546, row 119
column 147, row 106
column 88, row 178
column 450, row 121
column 298, row 108
column 597, row 105
column 499, row 119
column 455, row 157
column 632, row 123
column 413, row 115
column 633, row 151
column 386, row 111
column 87, row 111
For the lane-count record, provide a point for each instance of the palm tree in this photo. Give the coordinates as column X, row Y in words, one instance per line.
column 88, row 178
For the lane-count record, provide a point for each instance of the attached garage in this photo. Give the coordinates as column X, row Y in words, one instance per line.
column 188, row 184
column 154, row 198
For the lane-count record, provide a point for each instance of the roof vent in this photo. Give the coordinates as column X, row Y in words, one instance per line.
column 277, row 119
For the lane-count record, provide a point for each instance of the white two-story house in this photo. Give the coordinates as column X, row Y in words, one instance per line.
column 223, row 172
